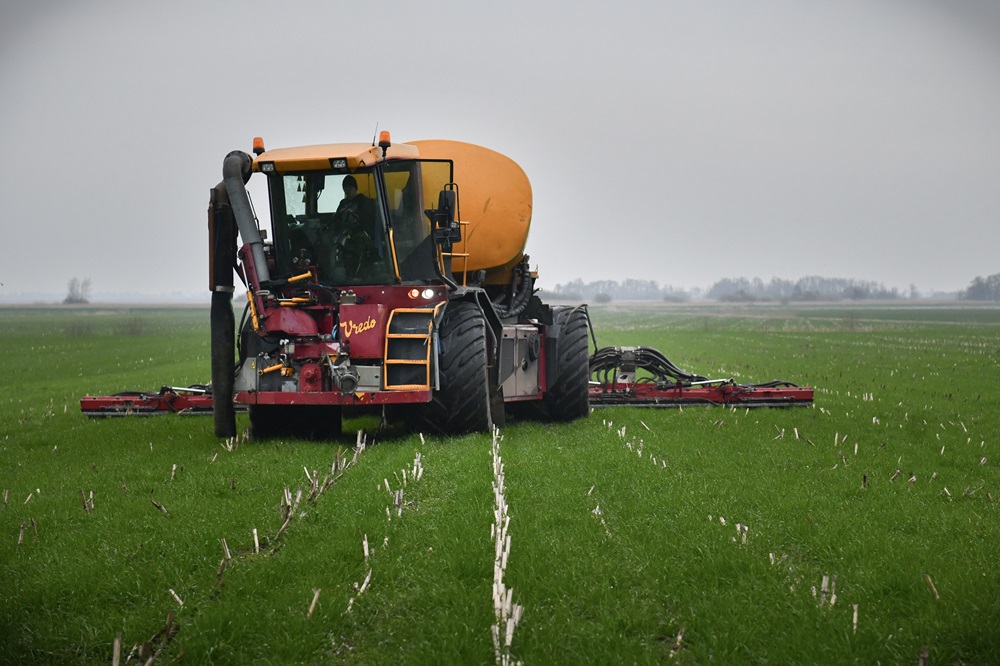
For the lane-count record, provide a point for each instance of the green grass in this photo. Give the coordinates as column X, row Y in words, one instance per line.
column 624, row 538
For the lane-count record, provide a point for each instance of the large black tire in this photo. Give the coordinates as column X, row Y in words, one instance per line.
column 315, row 422
column 463, row 402
column 568, row 396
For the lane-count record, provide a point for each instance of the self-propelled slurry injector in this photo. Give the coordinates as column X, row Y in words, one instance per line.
column 393, row 278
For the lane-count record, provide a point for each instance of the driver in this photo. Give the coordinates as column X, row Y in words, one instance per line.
column 352, row 226
column 353, row 204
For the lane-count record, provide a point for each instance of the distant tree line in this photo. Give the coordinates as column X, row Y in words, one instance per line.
column 811, row 288
column 983, row 289
column 604, row 291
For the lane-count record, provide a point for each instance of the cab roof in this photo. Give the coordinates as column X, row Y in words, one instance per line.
column 313, row 158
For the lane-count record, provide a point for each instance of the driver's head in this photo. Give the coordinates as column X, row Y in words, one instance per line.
column 350, row 187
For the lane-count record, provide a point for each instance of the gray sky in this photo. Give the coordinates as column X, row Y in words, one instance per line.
column 680, row 142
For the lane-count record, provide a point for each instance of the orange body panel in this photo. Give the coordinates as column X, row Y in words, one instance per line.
column 307, row 158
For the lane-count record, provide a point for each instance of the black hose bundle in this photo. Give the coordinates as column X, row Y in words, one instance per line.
column 608, row 363
column 519, row 292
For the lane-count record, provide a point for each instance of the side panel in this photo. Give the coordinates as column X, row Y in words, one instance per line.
column 521, row 354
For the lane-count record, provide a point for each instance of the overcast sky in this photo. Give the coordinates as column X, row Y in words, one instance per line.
column 680, row 142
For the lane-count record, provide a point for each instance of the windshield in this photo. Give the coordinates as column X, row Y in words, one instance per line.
column 337, row 222
column 333, row 222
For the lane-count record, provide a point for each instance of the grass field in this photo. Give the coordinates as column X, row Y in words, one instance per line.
column 863, row 529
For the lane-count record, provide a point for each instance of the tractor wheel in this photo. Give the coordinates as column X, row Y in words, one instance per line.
column 463, row 402
column 315, row 422
column 568, row 398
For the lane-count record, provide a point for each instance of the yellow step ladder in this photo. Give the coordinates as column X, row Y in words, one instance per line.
column 407, row 358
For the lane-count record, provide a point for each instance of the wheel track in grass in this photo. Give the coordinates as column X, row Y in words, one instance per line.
column 198, row 598
column 585, row 552
column 395, row 490
column 427, row 574
column 397, row 502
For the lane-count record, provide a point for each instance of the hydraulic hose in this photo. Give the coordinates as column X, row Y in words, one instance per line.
column 520, row 291
column 607, row 362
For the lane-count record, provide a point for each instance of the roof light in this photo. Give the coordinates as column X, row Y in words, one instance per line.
column 338, row 163
column 267, row 167
column 258, row 145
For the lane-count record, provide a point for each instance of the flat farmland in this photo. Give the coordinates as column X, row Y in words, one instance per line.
column 861, row 529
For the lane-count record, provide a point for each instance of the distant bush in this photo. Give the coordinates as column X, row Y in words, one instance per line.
column 78, row 292
column 738, row 297
column 79, row 328
column 131, row 327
